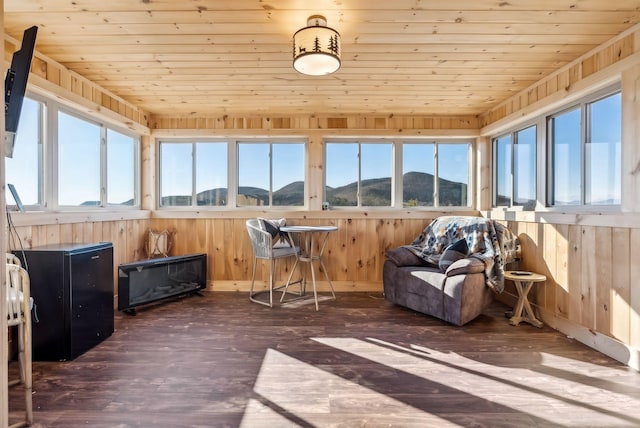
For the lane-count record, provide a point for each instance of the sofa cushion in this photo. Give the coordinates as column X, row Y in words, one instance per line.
column 417, row 288
column 454, row 252
column 403, row 256
column 428, row 277
column 465, row 266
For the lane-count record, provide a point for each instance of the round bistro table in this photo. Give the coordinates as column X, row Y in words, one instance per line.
column 310, row 237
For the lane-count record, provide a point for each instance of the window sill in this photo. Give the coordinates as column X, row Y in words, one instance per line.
column 41, row 218
column 334, row 213
column 584, row 216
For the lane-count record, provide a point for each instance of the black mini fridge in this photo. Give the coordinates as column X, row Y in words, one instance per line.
column 72, row 287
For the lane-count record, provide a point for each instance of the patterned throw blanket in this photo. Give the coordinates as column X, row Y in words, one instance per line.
column 489, row 241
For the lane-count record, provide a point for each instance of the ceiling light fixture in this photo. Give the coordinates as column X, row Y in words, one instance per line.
column 316, row 48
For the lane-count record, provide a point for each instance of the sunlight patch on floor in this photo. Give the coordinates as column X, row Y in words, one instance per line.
column 549, row 398
column 301, row 394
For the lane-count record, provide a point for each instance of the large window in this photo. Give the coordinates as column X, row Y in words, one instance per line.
column 267, row 173
column 121, row 169
column 176, row 174
column 453, row 175
column 271, row 173
column 24, row 169
column 78, row 161
column 422, row 174
column 418, row 174
column 435, row 174
column 359, row 174
column 193, row 173
column 96, row 164
column 603, row 151
column 87, row 164
column 211, row 178
column 515, row 168
column 585, row 153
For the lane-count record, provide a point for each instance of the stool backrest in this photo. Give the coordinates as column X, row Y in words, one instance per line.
column 18, row 294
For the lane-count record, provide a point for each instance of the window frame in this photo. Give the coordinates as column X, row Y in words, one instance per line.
column 232, row 172
column 270, row 141
column 56, row 166
column 53, row 161
column 513, row 134
column 137, row 163
column 48, row 167
column 359, row 142
column 397, row 145
column 43, row 149
column 194, row 203
column 585, row 137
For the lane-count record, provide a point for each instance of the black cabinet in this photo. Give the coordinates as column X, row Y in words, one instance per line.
column 72, row 286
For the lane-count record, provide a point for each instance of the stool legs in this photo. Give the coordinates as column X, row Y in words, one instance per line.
column 25, row 363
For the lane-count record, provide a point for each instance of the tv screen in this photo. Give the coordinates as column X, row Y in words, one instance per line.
column 15, row 84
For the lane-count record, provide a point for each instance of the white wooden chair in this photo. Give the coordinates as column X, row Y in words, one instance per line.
column 13, row 259
column 263, row 248
column 19, row 314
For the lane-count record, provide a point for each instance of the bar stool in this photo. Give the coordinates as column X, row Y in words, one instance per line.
column 19, row 314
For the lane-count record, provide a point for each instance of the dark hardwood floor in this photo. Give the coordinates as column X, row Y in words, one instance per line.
column 219, row 360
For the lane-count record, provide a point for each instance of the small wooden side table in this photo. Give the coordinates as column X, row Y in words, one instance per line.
column 524, row 281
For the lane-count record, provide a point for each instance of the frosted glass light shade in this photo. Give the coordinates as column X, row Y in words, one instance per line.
column 316, row 48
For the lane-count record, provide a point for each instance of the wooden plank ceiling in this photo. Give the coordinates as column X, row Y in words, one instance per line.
column 208, row 57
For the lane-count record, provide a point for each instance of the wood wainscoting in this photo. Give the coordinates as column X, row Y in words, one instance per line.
column 127, row 237
column 353, row 257
column 591, row 291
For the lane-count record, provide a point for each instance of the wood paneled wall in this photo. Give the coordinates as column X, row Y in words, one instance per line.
column 306, row 122
column 127, row 237
column 592, row 276
column 353, row 256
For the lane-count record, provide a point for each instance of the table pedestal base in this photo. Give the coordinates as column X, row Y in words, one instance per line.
column 523, row 311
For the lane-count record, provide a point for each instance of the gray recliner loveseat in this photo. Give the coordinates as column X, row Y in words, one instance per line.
column 453, row 270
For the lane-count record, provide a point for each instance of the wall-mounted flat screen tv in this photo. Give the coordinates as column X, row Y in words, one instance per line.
column 15, row 84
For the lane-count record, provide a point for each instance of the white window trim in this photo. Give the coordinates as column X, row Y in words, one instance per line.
column 53, row 174
column 232, row 173
column 548, row 173
column 544, row 168
column 541, row 131
column 396, row 171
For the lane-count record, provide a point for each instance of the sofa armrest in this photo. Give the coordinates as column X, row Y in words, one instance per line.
column 465, row 266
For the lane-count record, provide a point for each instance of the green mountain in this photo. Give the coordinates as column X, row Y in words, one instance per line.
column 417, row 188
